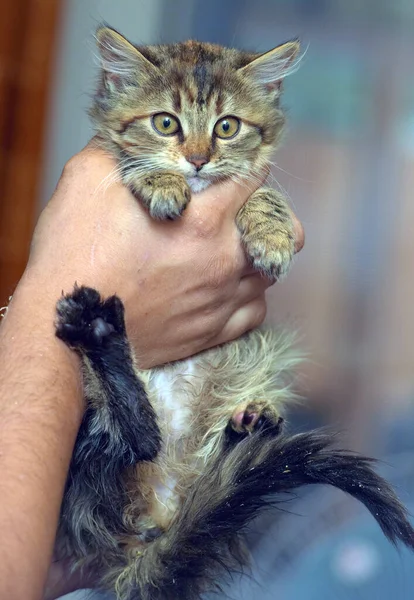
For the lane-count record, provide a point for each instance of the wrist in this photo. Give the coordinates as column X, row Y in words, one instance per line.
column 28, row 332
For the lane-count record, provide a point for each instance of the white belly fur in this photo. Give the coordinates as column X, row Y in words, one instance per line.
column 171, row 390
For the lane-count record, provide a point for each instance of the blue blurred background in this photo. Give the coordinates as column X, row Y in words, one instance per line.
column 348, row 166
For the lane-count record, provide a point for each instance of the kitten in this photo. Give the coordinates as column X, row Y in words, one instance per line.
column 171, row 464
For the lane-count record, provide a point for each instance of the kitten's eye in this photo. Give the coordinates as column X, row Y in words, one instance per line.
column 227, row 128
column 165, row 124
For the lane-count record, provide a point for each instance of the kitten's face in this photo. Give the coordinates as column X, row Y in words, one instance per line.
column 204, row 111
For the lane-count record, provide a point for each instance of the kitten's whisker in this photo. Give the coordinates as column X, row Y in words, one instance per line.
column 112, row 177
column 276, row 166
column 280, row 187
column 243, row 177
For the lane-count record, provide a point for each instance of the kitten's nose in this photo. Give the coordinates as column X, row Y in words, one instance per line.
column 197, row 160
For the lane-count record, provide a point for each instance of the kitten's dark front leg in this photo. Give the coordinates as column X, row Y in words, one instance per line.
column 119, row 427
column 165, row 194
column 266, row 226
column 95, row 328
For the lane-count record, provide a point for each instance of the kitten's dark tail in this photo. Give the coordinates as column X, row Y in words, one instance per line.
column 201, row 545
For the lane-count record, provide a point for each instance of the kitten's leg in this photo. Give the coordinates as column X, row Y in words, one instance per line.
column 266, row 226
column 96, row 330
column 166, row 195
column 119, row 427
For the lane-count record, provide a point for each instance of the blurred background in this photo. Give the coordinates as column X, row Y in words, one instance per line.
column 348, row 167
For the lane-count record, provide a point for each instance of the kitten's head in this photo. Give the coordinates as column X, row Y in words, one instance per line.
column 198, row 109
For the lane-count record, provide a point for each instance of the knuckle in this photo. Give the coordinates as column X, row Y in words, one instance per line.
column 77, row 163
column 206, row 226
column 71, row 166
column 88, row 160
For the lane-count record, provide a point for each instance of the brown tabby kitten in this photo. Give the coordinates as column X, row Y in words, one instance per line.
column 171, row 464
column 182, row 117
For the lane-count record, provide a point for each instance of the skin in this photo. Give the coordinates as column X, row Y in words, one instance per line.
column 186, row 286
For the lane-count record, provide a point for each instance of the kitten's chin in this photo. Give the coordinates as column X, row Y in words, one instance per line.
column 197, row 184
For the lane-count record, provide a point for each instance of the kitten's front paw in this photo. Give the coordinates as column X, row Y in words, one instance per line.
column 266, row 225
column 253, row 416
column 85, row 320
column 165, row 194
column 272, row 253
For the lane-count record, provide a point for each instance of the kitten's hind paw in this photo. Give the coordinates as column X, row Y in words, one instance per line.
column 253, row 416
column 150, row 534
column 85, row 320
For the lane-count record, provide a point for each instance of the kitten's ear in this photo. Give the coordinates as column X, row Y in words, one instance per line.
column 121, row 61
column 270, row 68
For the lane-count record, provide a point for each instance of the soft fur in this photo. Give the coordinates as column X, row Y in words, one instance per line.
column 171, row 464
column 114, row 517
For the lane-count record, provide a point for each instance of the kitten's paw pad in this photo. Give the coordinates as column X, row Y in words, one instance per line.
column 245, row 421
column 272, row 255
column 166, row 197
column 83, row 319
column 255, row 416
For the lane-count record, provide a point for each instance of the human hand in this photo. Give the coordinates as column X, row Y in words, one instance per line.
column 185, row 284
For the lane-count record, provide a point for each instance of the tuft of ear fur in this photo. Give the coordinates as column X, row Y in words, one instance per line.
column 121, row 62
column 270, row 68
column 203, row 544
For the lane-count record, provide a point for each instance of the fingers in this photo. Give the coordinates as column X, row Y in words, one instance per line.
column 299, row 233
column 251, row 287
column 251, row 308
column 247, row 317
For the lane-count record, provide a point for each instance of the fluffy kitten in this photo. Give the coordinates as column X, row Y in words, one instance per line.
column 182, row 117
column 171, row 464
